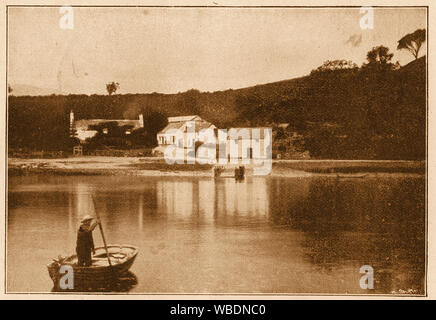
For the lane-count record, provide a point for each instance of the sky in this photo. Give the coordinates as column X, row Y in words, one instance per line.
column 172, row 50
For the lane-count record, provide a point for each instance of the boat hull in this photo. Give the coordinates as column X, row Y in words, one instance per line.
column 95, row 275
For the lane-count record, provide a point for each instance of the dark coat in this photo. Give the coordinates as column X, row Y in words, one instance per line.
column 85, row 242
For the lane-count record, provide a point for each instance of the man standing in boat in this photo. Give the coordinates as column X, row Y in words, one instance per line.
column 85, row 242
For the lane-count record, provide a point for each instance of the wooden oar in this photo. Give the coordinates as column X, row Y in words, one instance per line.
column 101, row 230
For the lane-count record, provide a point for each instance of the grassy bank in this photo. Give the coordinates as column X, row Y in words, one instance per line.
column 163, row 166
column 158, row 166
column 17, row 171
column 98, row 165
column 351, row 166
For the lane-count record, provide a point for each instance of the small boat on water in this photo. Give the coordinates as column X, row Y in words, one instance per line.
column 237, row 172
column 101, row 271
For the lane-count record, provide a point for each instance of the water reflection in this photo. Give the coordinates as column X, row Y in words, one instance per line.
column 378, row 222
column 267, row 235
column 213, row 201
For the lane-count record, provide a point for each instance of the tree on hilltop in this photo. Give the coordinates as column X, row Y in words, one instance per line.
column 332, row 65
column 412, row 42
column 112, row 87
column 380, row 58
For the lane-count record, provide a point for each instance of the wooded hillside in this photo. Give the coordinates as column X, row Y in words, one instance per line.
column 354, row 113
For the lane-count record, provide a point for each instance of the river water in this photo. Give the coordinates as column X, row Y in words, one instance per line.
column 200, row 235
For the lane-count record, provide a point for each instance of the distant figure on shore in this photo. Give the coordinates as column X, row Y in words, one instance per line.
column 85, row 242
column 240, row 173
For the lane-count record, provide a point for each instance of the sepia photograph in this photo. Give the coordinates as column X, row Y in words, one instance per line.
column 216, row 150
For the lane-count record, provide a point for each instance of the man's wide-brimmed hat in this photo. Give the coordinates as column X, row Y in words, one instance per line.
column 86, row 218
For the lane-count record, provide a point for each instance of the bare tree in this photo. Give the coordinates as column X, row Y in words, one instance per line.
column 412, row 42
column 112, row 87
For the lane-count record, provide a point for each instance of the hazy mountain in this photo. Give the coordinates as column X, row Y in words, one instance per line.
column 27, row 90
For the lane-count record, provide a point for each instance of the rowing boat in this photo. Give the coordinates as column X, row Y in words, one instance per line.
column 101, row 271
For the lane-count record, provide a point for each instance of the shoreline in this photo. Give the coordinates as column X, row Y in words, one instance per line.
column 153, row 166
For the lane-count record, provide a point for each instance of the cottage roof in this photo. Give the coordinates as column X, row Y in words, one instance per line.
column 179, row 123
column 172, row 126
column 85, row 123
column 184, row 118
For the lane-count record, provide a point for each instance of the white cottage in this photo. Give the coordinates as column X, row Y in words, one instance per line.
column 183, row 131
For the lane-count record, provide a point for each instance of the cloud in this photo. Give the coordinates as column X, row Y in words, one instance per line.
column 354, row 40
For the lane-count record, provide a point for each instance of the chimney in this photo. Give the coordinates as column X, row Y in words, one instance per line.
column 141, row 120
column 71, row 122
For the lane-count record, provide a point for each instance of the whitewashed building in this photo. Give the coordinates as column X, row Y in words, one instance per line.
column 244, row 143
column 183, row 131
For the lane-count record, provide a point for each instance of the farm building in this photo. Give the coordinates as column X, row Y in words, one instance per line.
column 87, row 128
